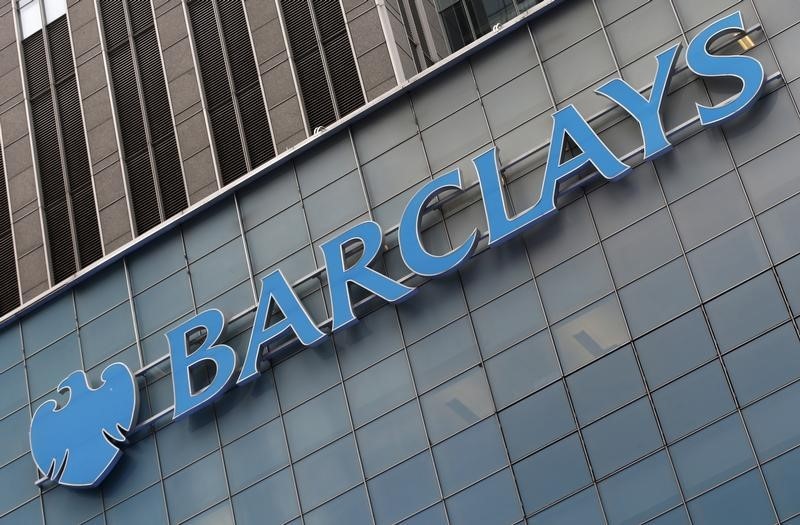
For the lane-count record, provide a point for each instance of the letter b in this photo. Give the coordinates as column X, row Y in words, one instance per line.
column 221, row 356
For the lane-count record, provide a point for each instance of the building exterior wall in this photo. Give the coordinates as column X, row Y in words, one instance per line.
column 634, row 358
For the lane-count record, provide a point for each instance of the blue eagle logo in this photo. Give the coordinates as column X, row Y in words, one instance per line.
column 78, row 444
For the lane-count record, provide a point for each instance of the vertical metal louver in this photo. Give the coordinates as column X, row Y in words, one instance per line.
column 242, row 136
column 155, row 176
column 318, row 39
column 70, row 211
column 9, row 288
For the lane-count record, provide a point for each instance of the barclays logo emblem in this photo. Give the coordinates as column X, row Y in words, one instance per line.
column 77, row 445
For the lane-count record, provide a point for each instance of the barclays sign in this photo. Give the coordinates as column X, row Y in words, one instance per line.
column 78, row 444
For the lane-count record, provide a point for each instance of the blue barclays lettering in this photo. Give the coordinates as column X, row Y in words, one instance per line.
column 293, row 321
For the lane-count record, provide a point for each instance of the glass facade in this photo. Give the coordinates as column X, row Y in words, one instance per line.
column 635, row 359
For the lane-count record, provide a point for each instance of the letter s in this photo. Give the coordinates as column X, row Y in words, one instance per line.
column 745, row 68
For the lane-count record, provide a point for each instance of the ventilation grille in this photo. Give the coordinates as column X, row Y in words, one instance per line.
column 250, row 127
column 146, row 184
column 339, row 56
column 252, row 111
column 308, row 63
column 9, row 290
column 308, row 52
column 36, row 65
column 344, row 75
column 209, row 53
column 67, row 194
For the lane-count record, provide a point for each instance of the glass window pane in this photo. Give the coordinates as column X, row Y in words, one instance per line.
column 675, row 348
column 256, row 455
column 195, row 488
column 622, row 437
column 13, row 390
column 493, row 500
column 101, row 293
column 456, row 404
column 605, row 385
column 431, row 516
column 522, row 369
column 763, row 365
column 743, row 500
column 782, row 240
column 443, row 354
column 186, row 440
column 374, row 337
column 508, row 320
column 494, row 272
column 214, row 228
column 564, row 235
column 728, row 260
column 537, row 420
column 219, row 515
column 351, row 508
column 552, row 473
column 106, row 335
column 677, row 516
column 48, row 324
column 641, row 491
column 403, row 490
column 391, row 438
column 590, row 334
column 268, row 502
column 16, row 479
column 642, row 247
column 153, row 262
column 671, row 284
column 138, row 468
column 695, row 162
column 583, row 508
column 419, row 319
column 163, row 303
column 309, row 372
column 317, row 422
column 218, row 271
column 48, row 367
column 246, row 407
column 12, row 345
column 734, row 316
column 562, row 294
column 469, row 456
column 379, row 388
column 711, row 456
column 615, row 206
column 783, row 480
column 327, row 472
column 277, row 238
column 771, row 424
column 693, row 400
column 697, row 221
column 789, row 276
column 145, row 507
